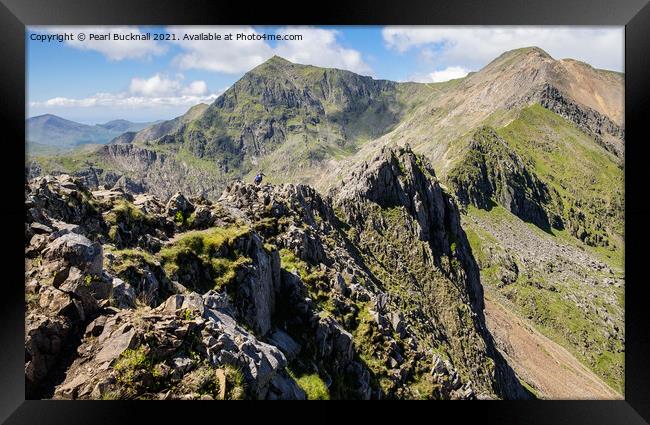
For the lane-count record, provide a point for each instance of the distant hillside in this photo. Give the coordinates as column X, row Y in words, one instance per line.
column 51, row 131
column 125, row 125
column 285, row 117
column 160, row 128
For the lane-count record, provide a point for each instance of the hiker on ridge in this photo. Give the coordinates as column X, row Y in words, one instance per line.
column 258, row 178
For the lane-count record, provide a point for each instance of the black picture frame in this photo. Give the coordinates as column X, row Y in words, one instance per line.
column 15, row 15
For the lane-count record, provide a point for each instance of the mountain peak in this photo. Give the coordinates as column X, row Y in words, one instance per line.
column 278, row 59
column 532, row 54
column 53, row 121
column 537, row 50
column 45, row 117
column 529, row 51
column 275, row 61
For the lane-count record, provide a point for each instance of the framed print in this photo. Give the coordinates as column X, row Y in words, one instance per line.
column 427, row 201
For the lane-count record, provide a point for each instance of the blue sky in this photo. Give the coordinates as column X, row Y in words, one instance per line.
column 94, row 81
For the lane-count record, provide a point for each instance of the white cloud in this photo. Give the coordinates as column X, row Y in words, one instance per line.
column 229, row 56
column 122, row 100
column 318, row 47
column 197, row 88
column 112, row 49
column 154, row 86
column 152, row 92
column 449, row 73
column 474, row 47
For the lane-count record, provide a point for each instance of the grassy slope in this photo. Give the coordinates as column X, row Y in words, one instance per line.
column 586, row 176
column 554, row 313
column 581, row 171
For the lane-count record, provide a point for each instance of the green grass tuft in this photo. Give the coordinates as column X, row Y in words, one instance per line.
column 312, row 385
column 213, row 250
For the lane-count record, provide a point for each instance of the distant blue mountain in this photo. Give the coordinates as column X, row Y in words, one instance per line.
column 52, row 131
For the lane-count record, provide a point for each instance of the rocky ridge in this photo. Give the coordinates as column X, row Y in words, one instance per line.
column 538, row 188
column 605, row 131
column 268, row 292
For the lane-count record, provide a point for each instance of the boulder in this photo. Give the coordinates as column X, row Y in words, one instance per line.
column 227, row 343
column 45, row 337
column 76, row 250
column 150, row 243
column 285, row 343
column 39, row 228
column 202, row 217
column 179, row 366
column 179, row 304
column 149, row 204
column 59, row 303
column 218, row 301
column 282, row 387
column 178, row 203
column 102, row 289
column 333, row 341
column 123, row 294
column 359, row 377
column 37, row 243
column 79, row 286
column 115, row 342
column 254, row 295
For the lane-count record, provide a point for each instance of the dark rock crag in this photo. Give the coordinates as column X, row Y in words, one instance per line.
column 491, row 172
column 605, row 131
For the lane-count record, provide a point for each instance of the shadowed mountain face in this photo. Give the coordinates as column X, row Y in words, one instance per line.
column 531, row 149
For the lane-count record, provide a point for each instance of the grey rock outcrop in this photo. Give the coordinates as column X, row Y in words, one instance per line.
column 179, row 204
column 606, row 132
column 123, row 294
